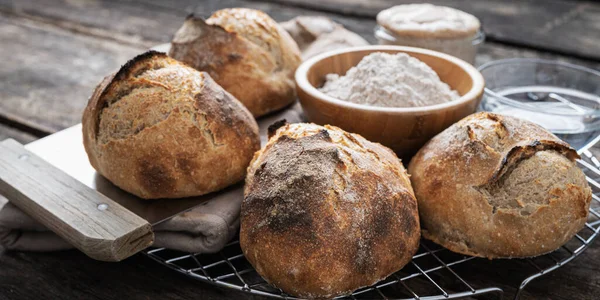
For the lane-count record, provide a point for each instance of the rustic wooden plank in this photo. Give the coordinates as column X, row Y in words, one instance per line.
column 71, row 275
column 569, row 27
column 9, row 132
column 52, row 72
column 132, row 17
column 128, row 18
column 152, row 21
column 278, row 12
column 121, row 21
column 78, row 61
column 575, row 280
column 147, row 22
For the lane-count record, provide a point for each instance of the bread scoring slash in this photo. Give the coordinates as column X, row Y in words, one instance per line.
column 499, row 187
column 160, row 129
column 326, row 212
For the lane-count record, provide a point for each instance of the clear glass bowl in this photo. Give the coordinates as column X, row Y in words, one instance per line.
column 464, row 48
column 562, row 97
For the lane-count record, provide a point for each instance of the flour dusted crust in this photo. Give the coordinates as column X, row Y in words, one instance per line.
column 326, row 212
column 499, row 187
column 428, row 21
column 160, row 129
column 245, row 52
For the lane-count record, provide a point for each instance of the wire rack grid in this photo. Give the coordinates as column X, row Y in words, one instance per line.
column 432, row 273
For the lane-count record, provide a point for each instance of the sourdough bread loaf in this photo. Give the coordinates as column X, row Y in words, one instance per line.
column 326, row 212
column 160, row 129
column 244, row 51
column 499, row 187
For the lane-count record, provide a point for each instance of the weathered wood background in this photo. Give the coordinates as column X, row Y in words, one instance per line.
column 55, row 51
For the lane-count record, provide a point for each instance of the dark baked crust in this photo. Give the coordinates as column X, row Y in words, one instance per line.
column 245, row 52
column 496, row 186
column 160, row 129
column 326, row 212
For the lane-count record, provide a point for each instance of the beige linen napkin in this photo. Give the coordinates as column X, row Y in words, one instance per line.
column 209, row 226
column 204, row 229
column 316, row 34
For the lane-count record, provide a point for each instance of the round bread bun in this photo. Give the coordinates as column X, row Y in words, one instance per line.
column 244, row 51
column 426, row 20
column 326, row 212
column 160, row 129
column 499, row 187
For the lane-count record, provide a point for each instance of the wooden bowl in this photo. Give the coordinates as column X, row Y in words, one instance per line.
column 404, row 129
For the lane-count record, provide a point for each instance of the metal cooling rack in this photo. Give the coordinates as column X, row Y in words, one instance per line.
column 432, row 274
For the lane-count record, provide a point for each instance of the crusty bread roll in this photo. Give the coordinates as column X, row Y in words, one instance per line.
column 160, row 129
column 499, row 187
column 244, row 51
column 326, row 212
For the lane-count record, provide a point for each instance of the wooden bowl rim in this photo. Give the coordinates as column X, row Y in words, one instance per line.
column 474, row 93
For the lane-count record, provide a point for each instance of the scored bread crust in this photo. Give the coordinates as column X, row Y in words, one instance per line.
column 160, row 129
column 244, row 51
column 499, row 187
column 326, row 212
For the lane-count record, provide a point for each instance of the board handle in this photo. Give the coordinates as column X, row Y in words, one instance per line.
column 91, row 222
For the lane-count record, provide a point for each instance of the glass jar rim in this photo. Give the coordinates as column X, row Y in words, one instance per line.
column 505, row 100
column 477, row 38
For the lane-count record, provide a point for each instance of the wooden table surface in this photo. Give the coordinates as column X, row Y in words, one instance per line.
column 55, row 51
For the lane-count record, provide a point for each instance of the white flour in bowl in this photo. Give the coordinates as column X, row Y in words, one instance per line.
column 389, row 80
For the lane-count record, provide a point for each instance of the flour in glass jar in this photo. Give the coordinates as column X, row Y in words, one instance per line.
column 389, row 80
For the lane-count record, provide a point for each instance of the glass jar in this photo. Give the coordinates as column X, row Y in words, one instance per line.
column 562, row 97
column 463, row 48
